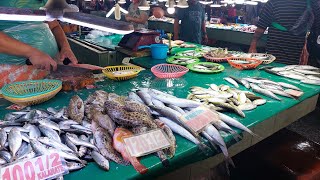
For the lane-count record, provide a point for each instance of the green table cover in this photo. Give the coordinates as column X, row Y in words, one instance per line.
column 186, row 152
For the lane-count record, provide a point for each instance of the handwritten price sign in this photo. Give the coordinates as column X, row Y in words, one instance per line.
column 199, row 118
column 42, row 167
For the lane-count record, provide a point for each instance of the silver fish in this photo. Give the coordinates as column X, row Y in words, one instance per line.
column 310, row 81
column 25, row 137
column 75, row 140
column 308, row 72
column 176, row 108
column 38, row 148
column 265, row 92
column 281, row 93
column 8, row 129
column 247, row 106
column 73, row 166
column 259, row 102
column 5, row 155
column 3, row 138
column 83, row 149
column 220, row 125
column 290, row 86
column 134, row 97
column 60, row 113
column 251, row 80
column 52, row 110
column 306, row 67
column 34, row 131
column 80, row 127
column 50, row 133
column 158, row 103
column 50, row 124
column 231, row 81
column 229, row 120
column 294, row 76
column 25, row 148
column 67, row 142
column 313, row 77
column 143, row 94
column 2, row 161
column 100, row 160
column 15, row 141
column 68, row 156
column 52, row 143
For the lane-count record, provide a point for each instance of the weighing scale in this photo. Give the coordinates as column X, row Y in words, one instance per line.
column 140, row 38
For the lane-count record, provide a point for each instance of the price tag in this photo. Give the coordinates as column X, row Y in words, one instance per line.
column 43, row 167
column 294, row 93
column 199, row 118
column 146, row 143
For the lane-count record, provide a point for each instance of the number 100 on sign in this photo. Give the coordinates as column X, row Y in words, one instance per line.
column 43, row 167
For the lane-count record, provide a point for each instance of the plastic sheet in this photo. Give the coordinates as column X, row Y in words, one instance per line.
column 37, row 35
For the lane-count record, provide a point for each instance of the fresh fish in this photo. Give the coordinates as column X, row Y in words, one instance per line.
column 25, row 137
column 158, row 103
column 38, row 147
column 34, row 131
column 15, row 141
column 247, row 106
column 242, row 98
column 220, row 125
column 279, row 69
column 78, row 131
column 86, row 124
column 67, row 142
column 310, row 81
column 172, row 149
column 83, row 149
column 8, row 129
column 76, row 109
column 27, row 117
column 9, row 123
column 2, row 161
column 24, row 150
column 307, row 72
column 313, row 77
column 50, row 124
column 234, row 123
column 52, row 110
column 265, row 92
column 214, row 87
column 217, row 100
column 67, row 123
column 73, row 166
column 3, row 138
column 79, row 127
column 224, row 87
column 294, row 76
column 103, row 141
column 252, row 80
column 68, row 155
column 6, row 156
column 60, row 113
column 55, row 144
column 134, row 97
column 231, row 107
column 75, row 140
column 259, row 102
column 118, row 144
column 245, row 83
column 306, row 67
column 100, row 160
column 281, row 93
column 145, row 96
column 176, row 108
column 183, row 103
column 50, row 133
column 231, row 81
column 136, row 107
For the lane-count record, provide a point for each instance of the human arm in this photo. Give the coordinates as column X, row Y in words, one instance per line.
column 14, row 47
column 257, row 35
column 204, row 29
column 63, row 44
column 176, row 29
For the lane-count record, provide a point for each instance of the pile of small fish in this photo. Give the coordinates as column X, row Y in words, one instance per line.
column 30, row 133
column 219, row 53
column 303, row 73
column 184, row 60
column 267, row 87
column 207, row 67
column 224, row 98
column 169, row 110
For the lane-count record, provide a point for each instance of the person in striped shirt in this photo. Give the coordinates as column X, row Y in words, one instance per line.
column 282, row 43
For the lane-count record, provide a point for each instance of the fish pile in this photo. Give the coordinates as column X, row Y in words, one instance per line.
column 225, row 98
column 169, row 110
column 303, row 73
column 207, row 66
column 31, row 133
column 219, row 53
column 184, row 60
column 267, row 87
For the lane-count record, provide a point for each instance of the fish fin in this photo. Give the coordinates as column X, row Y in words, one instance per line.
column 138, row 166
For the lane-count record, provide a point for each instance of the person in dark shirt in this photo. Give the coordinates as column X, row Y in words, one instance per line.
column 193, row 24
column 282, row 43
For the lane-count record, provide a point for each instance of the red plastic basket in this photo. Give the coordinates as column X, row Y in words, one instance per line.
column 253, row 65
column 169, row 70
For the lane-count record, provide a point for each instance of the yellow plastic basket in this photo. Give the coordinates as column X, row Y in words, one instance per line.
column 27, row 93
column 121, row 73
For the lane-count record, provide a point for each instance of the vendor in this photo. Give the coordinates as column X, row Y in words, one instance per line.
column 137, row 17
column 193, row 24
column 44, row 44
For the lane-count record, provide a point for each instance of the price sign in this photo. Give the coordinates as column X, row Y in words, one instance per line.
column 199, row 118
column 42, row 167
column 146, row 143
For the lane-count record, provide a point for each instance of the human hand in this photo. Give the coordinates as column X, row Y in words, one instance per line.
column 128, row 17
column 67, row 53
column 253, row 49
column 42, row 61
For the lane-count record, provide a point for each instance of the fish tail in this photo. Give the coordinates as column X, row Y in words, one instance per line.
column 204, row 148
column 235, row 135
column 138, row 166
column 163, row 158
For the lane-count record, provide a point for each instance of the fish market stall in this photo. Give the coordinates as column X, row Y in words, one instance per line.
column 221, row 34
column 269, row 116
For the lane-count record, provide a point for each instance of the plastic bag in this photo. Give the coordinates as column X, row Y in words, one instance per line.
column 37, row 35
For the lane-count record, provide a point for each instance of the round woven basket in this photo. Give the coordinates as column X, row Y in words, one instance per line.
column 109, row 72
column 27, row 93
column 213, row 59
column 169, row 70
column 233, row 62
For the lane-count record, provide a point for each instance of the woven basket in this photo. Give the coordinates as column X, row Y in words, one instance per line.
column 27, row 93
column 169, row 70
column 213, row 59
column 270, row 57
column 109, row 72
column 253, row 65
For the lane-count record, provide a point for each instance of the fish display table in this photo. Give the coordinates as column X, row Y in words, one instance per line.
column 231, row 36
column 264, row 120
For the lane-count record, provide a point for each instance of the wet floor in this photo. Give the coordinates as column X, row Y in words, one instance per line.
column 291, row 153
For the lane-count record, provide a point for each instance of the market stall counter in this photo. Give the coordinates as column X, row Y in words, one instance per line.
column 263, row 121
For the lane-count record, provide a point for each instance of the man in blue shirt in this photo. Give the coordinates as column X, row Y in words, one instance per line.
column 193, row 23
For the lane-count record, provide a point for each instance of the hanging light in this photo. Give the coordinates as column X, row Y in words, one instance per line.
column 206, row 2
column 59, row 9
column 162, row 0
column 239, row 1
column 215, row 5
column 170, row 4
column 122, row 1
column 254, row 3
column 230, row 2
column 264, row 1
column 224, row 2
column 182, row 4
column 144, row 5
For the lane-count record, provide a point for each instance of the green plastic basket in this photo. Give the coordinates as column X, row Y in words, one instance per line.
column 192, row 68
column 31, row 92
